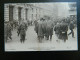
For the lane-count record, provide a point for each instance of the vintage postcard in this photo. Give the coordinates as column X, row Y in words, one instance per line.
column 40, row 26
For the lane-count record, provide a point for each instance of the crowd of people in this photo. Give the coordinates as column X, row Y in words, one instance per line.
column 20, row 27
column 43, row 27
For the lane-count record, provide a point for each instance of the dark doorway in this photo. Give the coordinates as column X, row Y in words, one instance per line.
column 26, row 13
column 11, row 13
column 19, row 13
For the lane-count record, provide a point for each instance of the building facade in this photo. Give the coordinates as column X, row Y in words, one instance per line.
column 26, row 11
column 73, row 9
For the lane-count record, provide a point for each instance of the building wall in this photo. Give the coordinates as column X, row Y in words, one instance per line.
column 15, row 13
column 63, row 10
column 72, row 9
column 37, row 12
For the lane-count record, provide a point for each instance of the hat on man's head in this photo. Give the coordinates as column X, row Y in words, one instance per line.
column 41, row 19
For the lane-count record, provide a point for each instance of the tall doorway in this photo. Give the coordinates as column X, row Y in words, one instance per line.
column 19, row 14
column 11, row 13
column 26, row 13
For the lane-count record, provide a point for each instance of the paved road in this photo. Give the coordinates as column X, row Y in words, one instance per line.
column 32, row 44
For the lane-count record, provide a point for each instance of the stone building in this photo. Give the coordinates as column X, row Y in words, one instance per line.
column 26, row 11
column 72, row 9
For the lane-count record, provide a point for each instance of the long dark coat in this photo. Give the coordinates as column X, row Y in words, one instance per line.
column 22, row 31
column 26, row 25
column 57, row 30
column 36, row 27
column 44, row 24
column 7, row 31
column 63, row 31
column 71, row 26
column 40, row 31
column 49, row 28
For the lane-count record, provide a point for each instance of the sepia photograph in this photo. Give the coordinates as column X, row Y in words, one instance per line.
column 40, row 26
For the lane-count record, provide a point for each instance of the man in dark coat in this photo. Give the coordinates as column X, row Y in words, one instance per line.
column 40, row 31
column 5, row 32
column 22, row 32
column 26, row 25
column 63, row 31
column 57, row 29
column 8, row 31
column 71, row 26
column 44, row 24
column 36, row 26
column 49, row 29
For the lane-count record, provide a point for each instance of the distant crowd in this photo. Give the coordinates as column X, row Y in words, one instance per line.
column 44, row 27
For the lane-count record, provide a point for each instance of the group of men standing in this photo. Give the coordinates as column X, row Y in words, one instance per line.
column 21, row 30
column 61, row 29
column 45, row 27
column 7, row 31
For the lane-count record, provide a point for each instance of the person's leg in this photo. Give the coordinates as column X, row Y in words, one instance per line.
column 50, row 37
column 10, row 36
column 40, row 38
column 21, row 38
column 24, row 38
column 64, row 36
column 64, row 40
column 18, row 33
column 51, row 33
column 58, row 37
column 47, row 37
column 72, row 33
column 43, row 36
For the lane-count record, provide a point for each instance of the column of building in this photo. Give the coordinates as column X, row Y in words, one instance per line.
column 31, row 13
column 15, row 13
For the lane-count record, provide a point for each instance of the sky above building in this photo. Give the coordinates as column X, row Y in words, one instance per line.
column 61, row 9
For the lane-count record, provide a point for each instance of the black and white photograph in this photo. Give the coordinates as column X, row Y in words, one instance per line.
column 40, row 26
